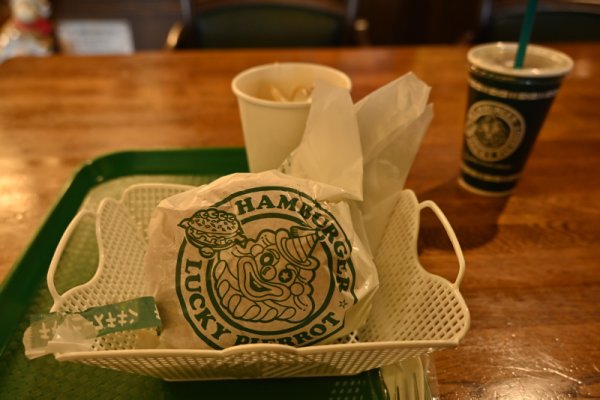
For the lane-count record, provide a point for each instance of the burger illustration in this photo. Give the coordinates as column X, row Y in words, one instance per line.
column 212, row 230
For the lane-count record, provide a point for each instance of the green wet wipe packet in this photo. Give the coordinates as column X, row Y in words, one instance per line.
column 63, row 332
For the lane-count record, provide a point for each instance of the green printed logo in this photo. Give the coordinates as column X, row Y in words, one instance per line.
column 494, row 130
column 268, row 264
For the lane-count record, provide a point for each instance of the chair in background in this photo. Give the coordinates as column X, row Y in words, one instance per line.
column 555, row 21
column 265, row 23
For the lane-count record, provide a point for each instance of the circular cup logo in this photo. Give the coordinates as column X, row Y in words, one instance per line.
column 494, row 130
column 266, row 264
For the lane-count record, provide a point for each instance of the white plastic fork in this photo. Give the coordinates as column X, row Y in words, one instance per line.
column 405, row 380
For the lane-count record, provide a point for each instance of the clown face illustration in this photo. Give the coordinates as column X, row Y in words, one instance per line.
column 269, row 278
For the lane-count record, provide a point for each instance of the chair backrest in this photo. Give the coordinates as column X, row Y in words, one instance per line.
column 555, row 21
column 269, row 23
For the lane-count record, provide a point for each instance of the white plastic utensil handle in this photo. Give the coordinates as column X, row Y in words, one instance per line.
column 59, row 251
column 451, row 235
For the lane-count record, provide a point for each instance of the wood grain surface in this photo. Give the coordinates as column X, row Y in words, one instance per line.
column 533, row 259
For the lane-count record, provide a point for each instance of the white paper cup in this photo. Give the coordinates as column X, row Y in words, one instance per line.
column 272, row 129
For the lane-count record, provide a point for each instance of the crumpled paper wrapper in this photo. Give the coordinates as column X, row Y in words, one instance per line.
column 367, row 148
column 287, row 256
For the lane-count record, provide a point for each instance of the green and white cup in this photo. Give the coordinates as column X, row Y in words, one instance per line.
column 506, row 110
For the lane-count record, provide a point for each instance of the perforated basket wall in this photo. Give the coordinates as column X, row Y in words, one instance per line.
column 414, row 312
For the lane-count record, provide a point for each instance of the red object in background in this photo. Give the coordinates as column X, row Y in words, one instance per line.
column 40, row 26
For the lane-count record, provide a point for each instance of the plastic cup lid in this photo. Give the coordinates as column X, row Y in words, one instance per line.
column 540, row 62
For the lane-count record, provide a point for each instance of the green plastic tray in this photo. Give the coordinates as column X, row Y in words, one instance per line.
column 24, row 293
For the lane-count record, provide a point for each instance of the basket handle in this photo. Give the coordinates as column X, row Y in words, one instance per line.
column 59, row 251
column 451, row 235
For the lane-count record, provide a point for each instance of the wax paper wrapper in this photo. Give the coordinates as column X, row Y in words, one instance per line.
column 390, row 124
column 286, row 256
column 258, row 258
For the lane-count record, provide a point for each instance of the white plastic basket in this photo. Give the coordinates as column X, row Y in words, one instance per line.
column 414, row 312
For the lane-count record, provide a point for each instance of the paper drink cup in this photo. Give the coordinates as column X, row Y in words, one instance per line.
column 506, row 110
column 272, row 128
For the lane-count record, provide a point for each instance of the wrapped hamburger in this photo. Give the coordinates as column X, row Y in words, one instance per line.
column 258, row 258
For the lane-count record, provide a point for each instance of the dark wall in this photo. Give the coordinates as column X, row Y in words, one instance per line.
column 391, row 21
column 420, row 21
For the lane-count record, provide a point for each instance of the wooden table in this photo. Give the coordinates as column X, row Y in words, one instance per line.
column 533, row 259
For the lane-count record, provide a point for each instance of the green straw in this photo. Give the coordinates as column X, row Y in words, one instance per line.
column 525, row 33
